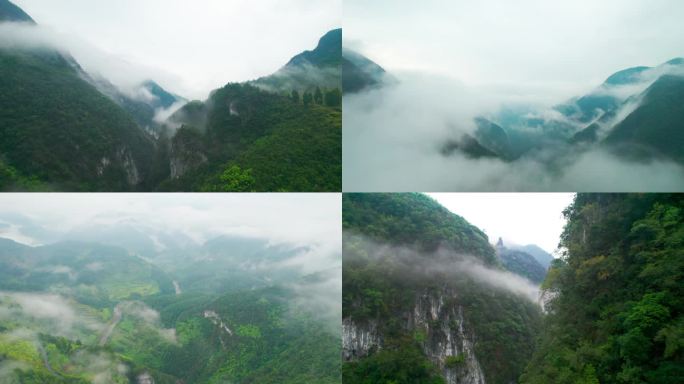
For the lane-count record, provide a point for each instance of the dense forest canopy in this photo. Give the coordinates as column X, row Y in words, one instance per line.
column 616, row 313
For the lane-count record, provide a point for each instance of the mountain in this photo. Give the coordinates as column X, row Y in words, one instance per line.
column 59, row 129
column 12, row 13
column 635, row 113
column 310, row 70
column 359, row 72
column 66, row 130
column 413, row 310
column 615, row 313
column 328, row 53
column 59, row 132
column 142, row 103
column 520, row 263
column 655, row 127
column 544, row 258
column 252, row 137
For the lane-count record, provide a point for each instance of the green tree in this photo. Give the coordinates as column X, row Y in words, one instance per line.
column 295, row 96
column 318, row 96
column 235, row 179
column 333, row 98
column 308, row 98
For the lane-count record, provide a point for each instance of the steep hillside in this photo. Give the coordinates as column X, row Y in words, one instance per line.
column 60, row 129
column 656, row 125
column 412, row 311
column 544, row 258
column 247, row 139
column 10, row 12
column 308, row 71
column 616, row 313
column 359, row 72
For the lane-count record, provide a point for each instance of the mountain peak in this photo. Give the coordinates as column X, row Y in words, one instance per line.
column 9, row 12
column 328, row 52
column 676, row 61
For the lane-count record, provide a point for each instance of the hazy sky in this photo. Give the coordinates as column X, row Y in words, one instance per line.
column 563, row 45
column 521, row 218
column 201, row 44
column 294, row 218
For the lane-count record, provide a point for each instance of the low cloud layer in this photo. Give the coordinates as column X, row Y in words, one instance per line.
column 320, row 297
column 124, row 74
column 393, row 138
column 53, row 311
column 445, row 264
column 204, row 44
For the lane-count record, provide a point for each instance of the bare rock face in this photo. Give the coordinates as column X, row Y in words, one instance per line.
column 447, row 342
column 186, row 155
column 358, row 340
column 444, row 336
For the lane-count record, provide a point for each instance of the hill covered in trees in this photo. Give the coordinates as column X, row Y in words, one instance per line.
column 420, row 298
column 616, row 313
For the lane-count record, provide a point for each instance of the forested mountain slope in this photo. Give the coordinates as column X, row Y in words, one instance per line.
column 413, row 310
column 521, row 263
column 61, row 131
column 616, row 313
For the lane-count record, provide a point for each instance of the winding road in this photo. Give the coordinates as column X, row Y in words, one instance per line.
column 116, row 318
column 46, row 362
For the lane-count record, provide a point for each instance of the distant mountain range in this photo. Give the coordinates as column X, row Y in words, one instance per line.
column 636, row 113
column 521, row 263
column 544, row 258
column 65, row 129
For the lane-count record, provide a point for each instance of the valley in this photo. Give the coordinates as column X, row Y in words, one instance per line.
column 428, row 299
column 160, row 308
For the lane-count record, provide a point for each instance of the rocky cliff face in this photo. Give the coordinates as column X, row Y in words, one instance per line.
column 436, row 321
column 359, row 339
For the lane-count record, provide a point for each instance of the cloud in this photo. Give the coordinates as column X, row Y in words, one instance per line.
column 443, row 264
column 527, row 41
column 319, row 296
column 204, row 44
column 150, row 316
column 298, row 219
column 124, row 74
column 393, row 138
column 56, row 311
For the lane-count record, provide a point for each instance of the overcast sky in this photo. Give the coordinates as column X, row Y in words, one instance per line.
column 563, row 46
column 194, row 46
column 520, row 218
column 300, row 218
